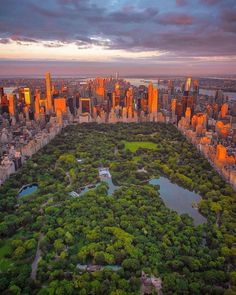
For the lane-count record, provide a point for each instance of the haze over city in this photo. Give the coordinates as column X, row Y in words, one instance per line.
column 74, row 37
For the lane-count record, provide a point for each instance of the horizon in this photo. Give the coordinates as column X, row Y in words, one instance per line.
column 36, row 69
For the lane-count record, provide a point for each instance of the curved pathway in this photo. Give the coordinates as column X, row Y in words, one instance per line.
column 36, row 259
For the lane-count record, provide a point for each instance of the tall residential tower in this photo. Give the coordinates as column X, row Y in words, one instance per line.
column 48, row 93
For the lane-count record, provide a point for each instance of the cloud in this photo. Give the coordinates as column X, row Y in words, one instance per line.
column 176, row 19
column 115, row 25
column 5, row 41
column 228, row 21
column 181, row 2
column 210, row 2
column 53, row 44
column 129, row 15
column 23, row 39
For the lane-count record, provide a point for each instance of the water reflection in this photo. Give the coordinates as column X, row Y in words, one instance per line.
column 27, row 190
column 179, row 199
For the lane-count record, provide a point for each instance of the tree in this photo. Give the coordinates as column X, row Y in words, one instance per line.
column 15, row 290
column 58, row 245
column 19, row 252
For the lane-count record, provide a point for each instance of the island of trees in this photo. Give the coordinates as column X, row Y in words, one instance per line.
column 49, row 237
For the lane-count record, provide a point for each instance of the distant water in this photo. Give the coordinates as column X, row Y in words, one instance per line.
column 179, row 199
column 209, row 92
column 27, row 190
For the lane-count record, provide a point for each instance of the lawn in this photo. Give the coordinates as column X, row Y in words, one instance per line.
column 133, row 146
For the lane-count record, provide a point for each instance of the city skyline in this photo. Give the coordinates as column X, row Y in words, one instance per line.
column 82, row 37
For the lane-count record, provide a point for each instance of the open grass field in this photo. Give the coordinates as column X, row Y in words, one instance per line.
column 133, row 146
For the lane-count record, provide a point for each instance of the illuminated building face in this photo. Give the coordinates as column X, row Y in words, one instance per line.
column 152, row 98
column 224, row 110
column 12, row 104
column 188, row 84
column 100, row 86
column 27, row 96
column 60, row 105
column 221, row 153
column 173, row 105
column 48, row 92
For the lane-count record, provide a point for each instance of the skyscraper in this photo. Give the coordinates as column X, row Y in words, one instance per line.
column 48, row 92
column 154, row 104
column 188, row 84
column 150, row 95
column 12, row 104
column 100, row 86
column 37, row 104
column 60, row 104
column 152, row 98
column 196, row 86
column 27, row 96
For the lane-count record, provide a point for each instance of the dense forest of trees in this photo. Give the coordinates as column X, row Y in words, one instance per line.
column 132, row 228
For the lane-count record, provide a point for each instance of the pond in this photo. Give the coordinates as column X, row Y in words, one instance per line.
column 179, row 199
column 27, row 190
column 105, row 176
column 111, row 187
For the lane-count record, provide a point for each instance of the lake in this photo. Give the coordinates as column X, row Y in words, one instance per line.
column 27, row 190
column 179, row 199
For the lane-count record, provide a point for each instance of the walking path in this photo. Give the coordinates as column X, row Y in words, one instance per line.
column 36, row 259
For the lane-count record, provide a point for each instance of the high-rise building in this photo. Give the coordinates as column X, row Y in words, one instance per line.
column 27, row 95
column 224, row 110
column 179, row 110
column 100, row 87
column 37, row 104
column 48, row 93
column 154, row 105
column 196, row 87
column 1, row 92
column 117, row 90
column 188, row 114
column 188, row 84
column 12, row 104
column 129, row 98
column 71, row 103
column 173, row 106
column 221, row 153
column 170, row 87
column 85, row 105
column 219, row 97
column 4, row 104
column 152, row 98
column 60, row 105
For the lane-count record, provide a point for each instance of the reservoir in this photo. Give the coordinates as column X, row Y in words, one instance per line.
column 179, row 199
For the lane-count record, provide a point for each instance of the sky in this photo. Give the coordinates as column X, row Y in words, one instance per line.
column 138, row 37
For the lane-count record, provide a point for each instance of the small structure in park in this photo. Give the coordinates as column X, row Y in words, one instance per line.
column 104, row 172
column 150, row 284
column 74, row 194
column 80, row 160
